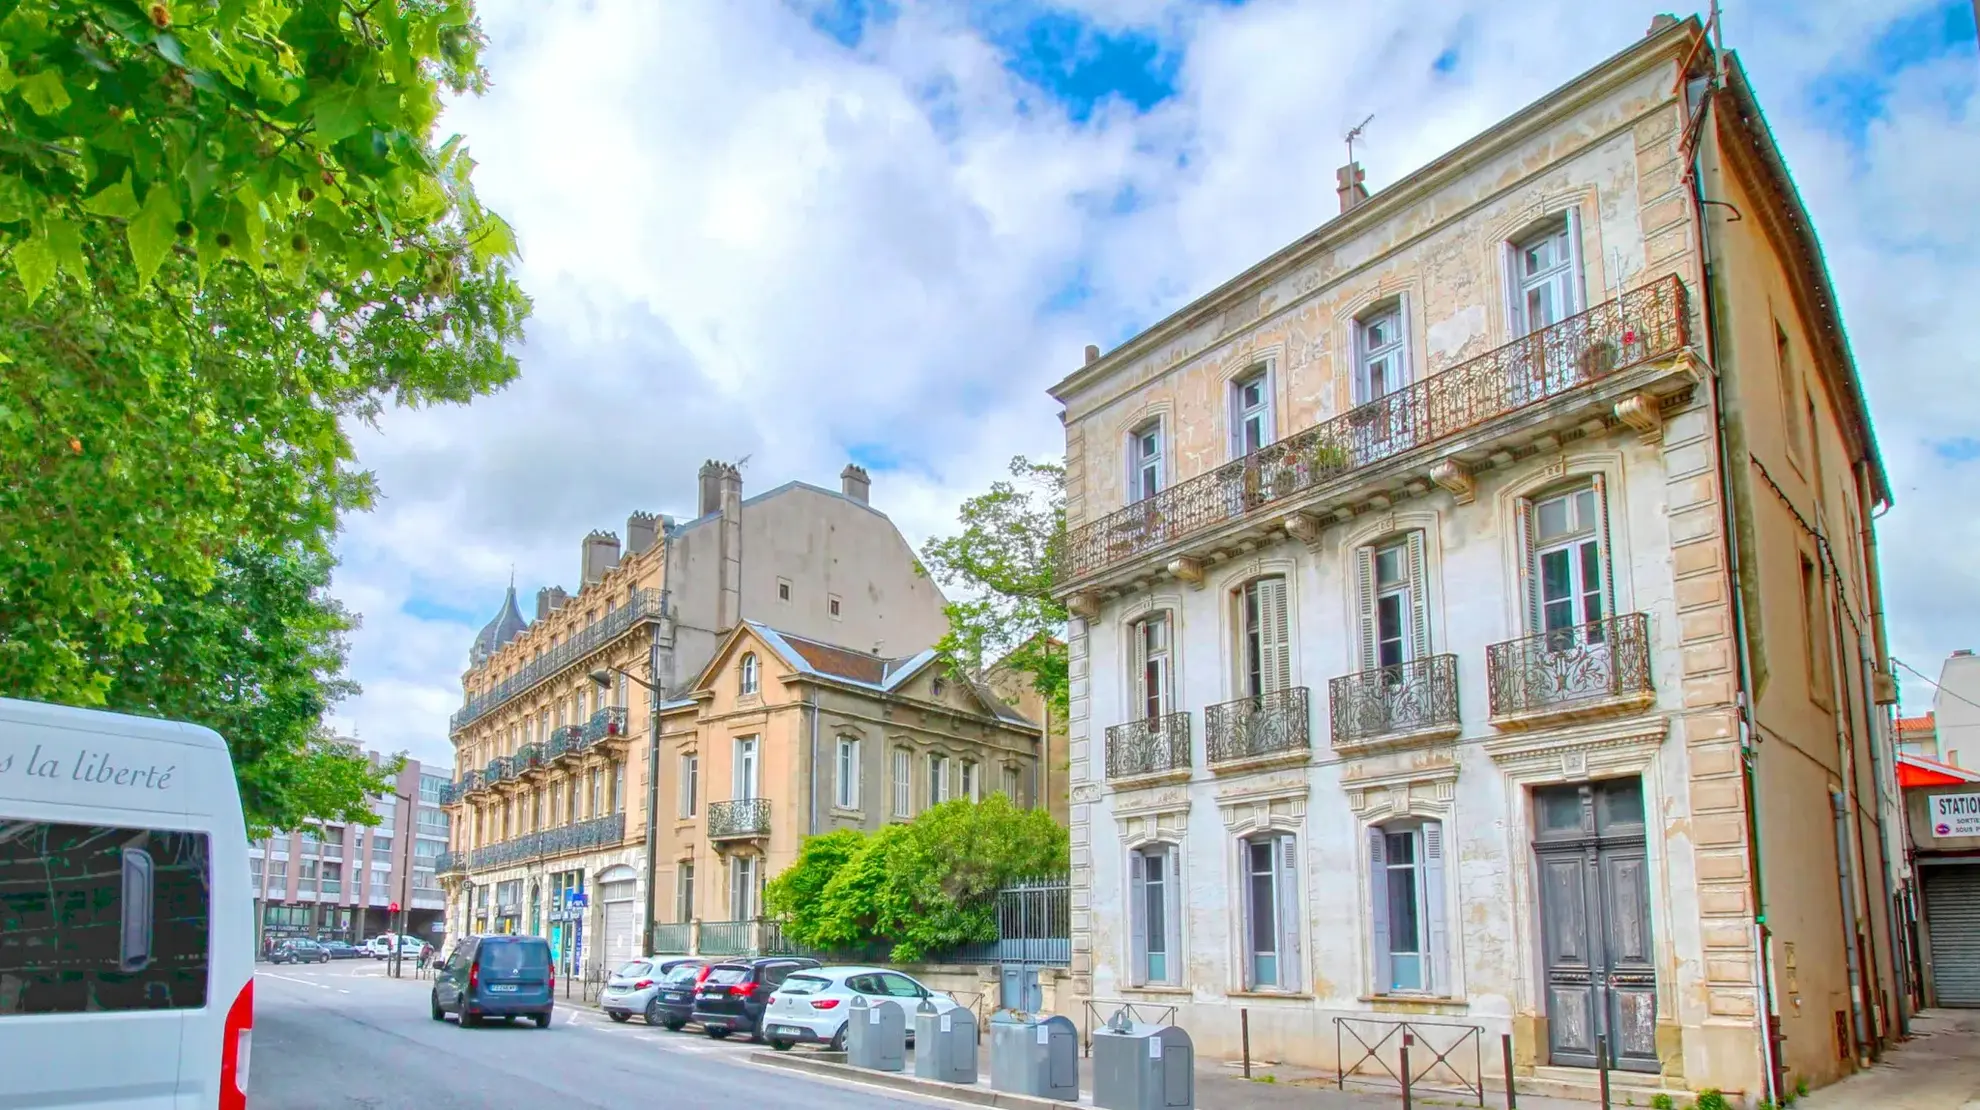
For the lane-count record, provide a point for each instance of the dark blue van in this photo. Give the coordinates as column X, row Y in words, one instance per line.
column 496, row 977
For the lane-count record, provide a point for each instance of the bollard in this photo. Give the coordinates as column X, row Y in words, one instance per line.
column 1244, row 1038
column 1602, row 1066
column 1408, row 1039
column 1505, row 1046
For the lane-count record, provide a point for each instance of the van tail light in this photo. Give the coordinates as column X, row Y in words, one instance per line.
column 553, row 980
column 825, row 1004
column 474, row 976
column 236, row 1043
column 743, row 990
column 639, row 986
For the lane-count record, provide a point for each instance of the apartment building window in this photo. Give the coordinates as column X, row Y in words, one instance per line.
column 1265, row 663
column 1568, row 575
column 1792, row 410
column 1381, row 360
column 1271, row 911
column 743, row 872
column 1406, row 882
column 684, row 892
column 1251, row 412
column 938, row 779
column 571, row 800
column 556, row 806
column 1012, row 783
column 744, row 769
column 1815, row 625
column 1155, row 909
column 1546, row 275
column 746, row 684
column 848, row 772
column 278, row 872
column 1393, row 594
column 308, row 872
column 618, row 787
column 381, row 845
column 333, row 876
column 623, row 693
column 1145, row 461
column 1153, row 678
column 535, row 810
column 690, row 783
column 832, row 606
column 783, row 589
column 597, row 793
column 903, row 783
column 969, row 781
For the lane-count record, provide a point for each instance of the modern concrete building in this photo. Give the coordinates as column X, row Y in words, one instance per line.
column 1956, row 709
column 340, row 880
column 1476, row 617
column 550, row 805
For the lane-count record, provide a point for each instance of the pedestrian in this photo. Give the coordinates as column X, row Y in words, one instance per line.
column 425, row 954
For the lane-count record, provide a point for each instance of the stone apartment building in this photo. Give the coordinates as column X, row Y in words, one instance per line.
column 550, row 800
column 1476, row 616
column 781, row 737
column 339, row 881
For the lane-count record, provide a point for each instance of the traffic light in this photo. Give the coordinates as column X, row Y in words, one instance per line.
column 393, row 908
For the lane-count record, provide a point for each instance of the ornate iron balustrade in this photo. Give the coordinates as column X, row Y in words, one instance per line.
column 643, row 606
column 528, row 757
column 1264, row 725
column 471, row 782
column 1419, row 695
column 1148, row 746
column 497, row 770
column 556, row 746
column 739, row 818
column 595, row 833
column 607, row 722
column 449, row 863
column 1602, row 659
column 1636, row 327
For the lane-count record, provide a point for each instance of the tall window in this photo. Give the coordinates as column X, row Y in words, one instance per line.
column 747, row 682
column 1406, row 882
column 1791, row 405
column 618, row 787
column 1012, row 784
column 1153, row 680
column 1815, row 622
column 938, row 779
column 597, row 793
column 535, row 810
column 1568, row 565
column 571, row 800
column 903, row 784
column 744, row 769
column 745, row 887
column 1155, row 907
column 1548, row 288
column 970, row 786
column 1271, row 911
column 690, row 783
column 1381, row 367
column 1393, row 599
column 1251, row 413
column 684, row 892
column 1266, row 658
column 1145, row 462
column 848, row 793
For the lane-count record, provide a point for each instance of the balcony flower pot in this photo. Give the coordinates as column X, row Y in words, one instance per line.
column 1599, row 359
column 1329, row 457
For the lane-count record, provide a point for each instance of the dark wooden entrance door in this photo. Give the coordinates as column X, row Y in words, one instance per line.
column 1599, row 979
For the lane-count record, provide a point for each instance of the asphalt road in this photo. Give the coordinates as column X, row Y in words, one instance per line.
column 342, row 1035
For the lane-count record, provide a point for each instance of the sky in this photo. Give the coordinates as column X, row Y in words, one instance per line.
column 812, row 231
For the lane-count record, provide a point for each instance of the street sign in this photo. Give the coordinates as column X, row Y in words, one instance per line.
column 1956, row 815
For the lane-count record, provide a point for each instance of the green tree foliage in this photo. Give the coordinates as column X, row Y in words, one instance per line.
column 225, row 234
column 917, row 888
column 1002, row 561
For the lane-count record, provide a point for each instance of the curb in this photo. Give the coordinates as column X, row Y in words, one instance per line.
column 902, row 1081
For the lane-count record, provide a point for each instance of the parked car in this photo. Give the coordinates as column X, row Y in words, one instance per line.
column 497, row 977
column 635, row 988
column 299, row 951
column 731, row 999
column 673, row 997
column 342, row 950
column 811, row 1006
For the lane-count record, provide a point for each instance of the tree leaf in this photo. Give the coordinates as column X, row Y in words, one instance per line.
column 44, row 92
column 339, row 112
column 65, row 242
column 117, row 201
column 35, row 263
column 152, row 231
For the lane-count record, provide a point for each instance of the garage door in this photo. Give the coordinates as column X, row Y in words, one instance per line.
column 1952, row 913
column 617, row 923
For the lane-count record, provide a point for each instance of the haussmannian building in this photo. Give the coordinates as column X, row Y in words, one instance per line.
column 1476, row 617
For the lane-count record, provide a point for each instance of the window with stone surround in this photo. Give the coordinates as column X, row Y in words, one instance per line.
column 1155, row 915
column 1147, row 461
column 1406, row 908
column 1269, row 869
column 1251, row 411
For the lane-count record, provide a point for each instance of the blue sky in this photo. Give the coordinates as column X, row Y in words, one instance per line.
column 876, row 230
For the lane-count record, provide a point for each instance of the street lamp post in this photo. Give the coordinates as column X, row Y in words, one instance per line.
column 603, row 677
column 399, row 918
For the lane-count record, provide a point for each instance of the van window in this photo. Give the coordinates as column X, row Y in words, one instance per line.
column 505, row 958
column 95, row 918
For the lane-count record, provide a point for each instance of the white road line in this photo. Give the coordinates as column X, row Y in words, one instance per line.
column 292, row 979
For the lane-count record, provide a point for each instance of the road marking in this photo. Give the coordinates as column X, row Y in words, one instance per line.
column 292, row 979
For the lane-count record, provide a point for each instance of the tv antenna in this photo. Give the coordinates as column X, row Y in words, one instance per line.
column 1355, row 133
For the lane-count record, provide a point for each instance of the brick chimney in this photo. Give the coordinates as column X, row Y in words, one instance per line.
column 549, row 599
column 601, row 554
column 854, row 481
column 1352, row 192
column 1092, row 353
column 642, row 529
column 711, row 488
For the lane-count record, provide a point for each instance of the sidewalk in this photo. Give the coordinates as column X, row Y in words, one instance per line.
column 1938, row 1069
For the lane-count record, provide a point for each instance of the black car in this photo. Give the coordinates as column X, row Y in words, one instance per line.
column 732, row 998
column 341, row 950
column 673, row 1003
column 299, row 952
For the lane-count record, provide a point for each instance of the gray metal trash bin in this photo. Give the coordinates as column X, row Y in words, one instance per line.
column 1037, row 1056
column 944, row 1044
column 876, row 1035
column 1138, row 1066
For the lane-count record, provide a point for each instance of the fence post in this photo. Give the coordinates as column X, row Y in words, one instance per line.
column 1407, row 1040
column 1244, row 1037
column 1602, row 1066
column 1505, row 1048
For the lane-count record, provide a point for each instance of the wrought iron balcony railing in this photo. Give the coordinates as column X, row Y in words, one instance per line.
column 471, row 782
column 1250, row 727
column 528, row 757
column 598, row 832
column 449, row 863
column 1418, row 696
column 740, row 818
column 1568, row 667
column 645, row 605
column 605, row 724
column 1148, row 746
column 499, row 769
column 1641, row 325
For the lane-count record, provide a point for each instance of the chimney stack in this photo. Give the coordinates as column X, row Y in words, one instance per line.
column 711, row 488
column 642, row 529
column 1352, row 191
column 601, row 554
column 855, row 483
column 549, row 599
column 1092, row 353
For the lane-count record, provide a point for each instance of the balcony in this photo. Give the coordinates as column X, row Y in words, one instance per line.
column 1615, row 362
column 471, row 782
column 742, row 819
column 1401, row 704
column 1588, row 670
column 1151, row 746
column 599, row 832
column 608, row 723
column 449, row 863
column 1269, row 729
column 646, row 605
column 528, row 757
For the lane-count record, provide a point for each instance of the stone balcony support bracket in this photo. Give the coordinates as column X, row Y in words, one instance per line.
column 1455, row 477
column 1642, row 412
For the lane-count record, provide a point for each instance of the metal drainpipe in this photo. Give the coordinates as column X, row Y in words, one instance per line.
column 1868, row 929
column 1769, row 1049
column 1866, row 542
column 1846, row 880
column 1846, row 851
column 811, row 769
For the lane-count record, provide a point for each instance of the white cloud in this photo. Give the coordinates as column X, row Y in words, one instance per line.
column 745, row 238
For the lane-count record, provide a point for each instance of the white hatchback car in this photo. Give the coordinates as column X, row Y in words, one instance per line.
column 811, row 1006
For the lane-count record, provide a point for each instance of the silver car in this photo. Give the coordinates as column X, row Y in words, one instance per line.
column 635, row 988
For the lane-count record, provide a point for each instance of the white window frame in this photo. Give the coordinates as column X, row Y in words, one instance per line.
column 847, row 769
column 938, row 778
column 1156, row 955
column 1152, row 638
column 1252, row 423
column 1276, row 969
column 1264, row 627
column 744, row 880
column 684, row 892
column 972, row 784
column 748, row 677
column 1422, row 879
column 1564, row 276
column 1392, row 357
column 1148, row 474
column 1584, row 513
column 1013, row 783
column 903, row 783
column 745, row 772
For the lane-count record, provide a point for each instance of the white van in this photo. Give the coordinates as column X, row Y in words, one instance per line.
column 126, row 923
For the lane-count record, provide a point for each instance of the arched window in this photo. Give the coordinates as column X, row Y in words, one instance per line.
column 747, row 682
column 1155, row 913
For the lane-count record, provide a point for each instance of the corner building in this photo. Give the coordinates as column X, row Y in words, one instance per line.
column 1476, row 620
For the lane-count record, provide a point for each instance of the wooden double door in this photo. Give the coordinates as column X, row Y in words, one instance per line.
column 1599, row 976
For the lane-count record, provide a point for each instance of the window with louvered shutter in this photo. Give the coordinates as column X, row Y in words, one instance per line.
column 1266, row 637
column 1152, row 678
column 1419, row 597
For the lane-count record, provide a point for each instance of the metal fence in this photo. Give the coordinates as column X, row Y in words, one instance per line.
column 728, row 938
column 674, row 939
column 1414, row 1055
column 1034, row 926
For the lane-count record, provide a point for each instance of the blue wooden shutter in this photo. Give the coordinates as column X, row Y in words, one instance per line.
column 1138, row 917
column 1378, row 905
column 1438, row 962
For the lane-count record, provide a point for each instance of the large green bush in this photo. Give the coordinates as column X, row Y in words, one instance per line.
column 917, row 888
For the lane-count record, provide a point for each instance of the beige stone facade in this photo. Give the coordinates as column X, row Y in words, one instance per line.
column 1421, row 575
